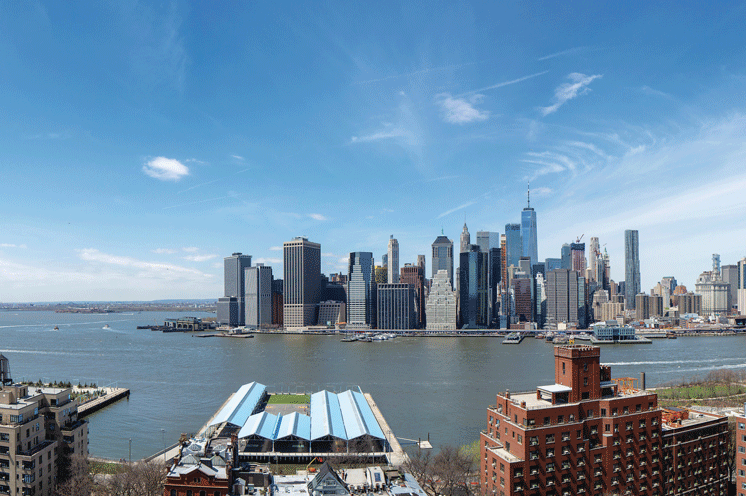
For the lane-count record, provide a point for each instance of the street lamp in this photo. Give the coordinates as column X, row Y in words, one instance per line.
column 163, row 438
column 130, row 451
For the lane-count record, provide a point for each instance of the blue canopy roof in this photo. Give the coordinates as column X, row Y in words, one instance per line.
column 326, row 416
column 261, row 425
column 241, row 405
column 293, row 424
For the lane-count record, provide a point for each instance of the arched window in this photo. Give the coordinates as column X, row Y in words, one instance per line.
column 173, row 492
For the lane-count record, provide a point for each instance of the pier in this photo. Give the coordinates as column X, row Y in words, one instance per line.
column 397, row 457
column 112, row 395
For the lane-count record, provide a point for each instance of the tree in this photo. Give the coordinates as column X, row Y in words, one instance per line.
column 730, row 454
column 74, row 477
column 448, row 473
column 140, row 479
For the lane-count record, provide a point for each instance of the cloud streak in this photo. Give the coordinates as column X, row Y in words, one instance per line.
column 460, row 207
column 504, row 83
column 461, row 110
column 569, row 51
column 567, row 91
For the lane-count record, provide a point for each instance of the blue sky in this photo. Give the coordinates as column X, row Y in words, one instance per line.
column 140, row 143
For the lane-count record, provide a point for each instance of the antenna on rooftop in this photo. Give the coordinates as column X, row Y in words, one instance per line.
column 528, row 194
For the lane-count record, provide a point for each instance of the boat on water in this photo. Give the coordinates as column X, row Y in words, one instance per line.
column 671, row 335
column 349, row 339
column 56, row 328
column 106, row 326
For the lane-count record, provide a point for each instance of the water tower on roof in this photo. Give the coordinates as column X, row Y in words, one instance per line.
column 5, row 379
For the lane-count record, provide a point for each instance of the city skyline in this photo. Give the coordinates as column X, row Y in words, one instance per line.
column 138, row 160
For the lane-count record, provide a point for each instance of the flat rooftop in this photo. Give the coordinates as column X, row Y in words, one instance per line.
column 534, row 403
column 695, row 418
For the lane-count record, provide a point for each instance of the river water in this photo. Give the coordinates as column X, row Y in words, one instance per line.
column 439, row 387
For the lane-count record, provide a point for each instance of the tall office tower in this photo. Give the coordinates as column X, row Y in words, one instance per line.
column 385, row 262
column 608, row 283
column 552, row 263
column 714, row 292
column 577, row 252
column 443, row 256
column 473, row 288
column 233, row 278
column 528, row 232
column 716, row 264
column 513, row 244
column 565, row 257
column 415, row 275
column 421, row 263
column 741, row 298
column 258, row 285
column 465, row 240
column 594, row 253
column 563, row 302
column 277, row 303
column 493, row 282
column 540, row 297
column 393, row 265
column 395, row 304
column 361, row 291
column 503, row 259
column 301, row 288
column 441, row 304
column 524, row 264
column 483, row 241
column 631, row 267
column 523, row 307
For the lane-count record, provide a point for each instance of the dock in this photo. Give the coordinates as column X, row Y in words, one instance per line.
column 397, row 457
column 112, row 395
column 513, row 338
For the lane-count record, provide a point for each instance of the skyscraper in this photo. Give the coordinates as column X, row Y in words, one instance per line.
column 494, row 277
column 233, row 278
column 528, row 232
column 564, row 299
column 415, row 275
column 593, row 255
column 421, row 263
column 395, row 304
column 730, row 276
column 443, row 256
column 258, row 295
column 631, row 267
column 441, row 304
column 473, row 288
column 361, row 291
column 577, row 256
column 301, row 282
column 483, row 241
column 465, row 240
column 513, row 244
column 393, row 265
column 565, row 257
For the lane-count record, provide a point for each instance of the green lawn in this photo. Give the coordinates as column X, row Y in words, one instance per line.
column 700, row 391
column 289, row 399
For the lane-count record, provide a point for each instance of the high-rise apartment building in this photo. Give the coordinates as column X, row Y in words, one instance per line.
column 631, row 267
column 647, row 306
column 393, row 264
column 513, row 244
column 577, row 257
column 528, row 232
column 395, row 304
column 443, row 256
column 301, row 282
column 594, row 254
column 589, row 434
column 473, row 288
column 465, row 240
column 258, row 299
column 741, row 453
column 361, row 291
column 441, row 304
column 523, row 306
column 233, row 279
column 38, row 426
column 415, row 275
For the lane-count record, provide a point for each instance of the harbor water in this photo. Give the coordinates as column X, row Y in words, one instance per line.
column 424, row 386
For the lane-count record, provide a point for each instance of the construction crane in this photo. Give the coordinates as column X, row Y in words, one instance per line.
column 581, row 237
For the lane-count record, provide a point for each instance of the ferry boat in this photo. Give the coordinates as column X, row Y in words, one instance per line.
column 56, row 328
column 106, row 326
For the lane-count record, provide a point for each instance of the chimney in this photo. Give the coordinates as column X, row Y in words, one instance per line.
column 642, row 381
column 507, row 393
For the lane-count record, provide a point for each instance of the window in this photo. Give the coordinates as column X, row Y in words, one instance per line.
column 502, row 467
column 189, row 492
column 563, row 368
column 566, row 436
column 741, row 426
column 217, row 493
column 642, row 424
column 203, row 493
column 546, row 420
column 520, row 439
column 613, row 412
column 638, row 407
column 550, row 438
column 550, row 452
column 603, row 412
column 585, row 367
column 629, row 426
column 533, row 440
column 590, row 414
column 625, row 410
column 585, row 381
column 579, row 434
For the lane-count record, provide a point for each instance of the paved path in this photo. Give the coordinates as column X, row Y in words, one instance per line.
column 397, row 457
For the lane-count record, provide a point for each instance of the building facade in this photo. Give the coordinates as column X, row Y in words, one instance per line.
column 631, row 267
column 441, row 304
column 226, row 311
column 577, row 257
column 393, row 260
column 714, row 293
column 741, row 453
column 233, row 280
column 528, row 233
column 415, row 275
column 473, row 288
column 396, row 308
column 465, row 240
column 565, row 297
column 513, row 245
column 258, row 299
column 587, row 434
column 443, row 257
column 301, row 288
column 361, row 291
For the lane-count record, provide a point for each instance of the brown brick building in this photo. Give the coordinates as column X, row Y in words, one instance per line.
column 741, row 454
column 415, row 275
column 587, row 434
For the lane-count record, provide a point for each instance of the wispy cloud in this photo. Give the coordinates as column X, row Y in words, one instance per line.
column 151, row 268
column 200, row 258
column 190, row 249
column 460, row 207
column 11, row 245
column 569, row 51
column 504, row 83
column 268, row 260
column 238, row 157
column 317, row 217
column 380, row 135
column 461, row 110
column 162, row 251
column 275, row 248
column 196, row 161
column 647, row 90
column 200, row 201
column 416, row 73
column 567, row 91
column 165, row 169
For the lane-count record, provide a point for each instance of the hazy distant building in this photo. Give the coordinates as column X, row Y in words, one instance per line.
column 540, row 299
column 301, row 282
column 441, row 304
column 361, row 291
column 714, row 291
column 631, row 267
column 258, row 299
column 473, row 288
column 443, row 257
column 593, row 258
column 647, row 306
column 233, row 280
column 421, row 263
column 395, row 303
column 528, row 232
column 415, row 275
column 277, row 303
column 565, row 257
column 385, row 263
column 494, row 276
column 551, row 264
column 688, row 303
column 513, row 244
column 465, row 240
column 522, row 306
column 610, row 311
column 741, row 298
column 226, row 311
column 730, row 277
column 393, row 265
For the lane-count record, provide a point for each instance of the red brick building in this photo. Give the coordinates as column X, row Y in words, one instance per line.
column 191, row 476
column 587, row 434
column 741, row 454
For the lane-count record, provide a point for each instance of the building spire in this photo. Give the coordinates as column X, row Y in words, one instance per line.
column 528, row 194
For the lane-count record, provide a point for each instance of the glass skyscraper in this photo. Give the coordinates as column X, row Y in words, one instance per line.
column 361, row 292
column 631, row 267
column 513, row 244
column 528, row 234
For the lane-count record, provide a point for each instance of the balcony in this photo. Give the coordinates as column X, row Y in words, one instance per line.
column 39, row 447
